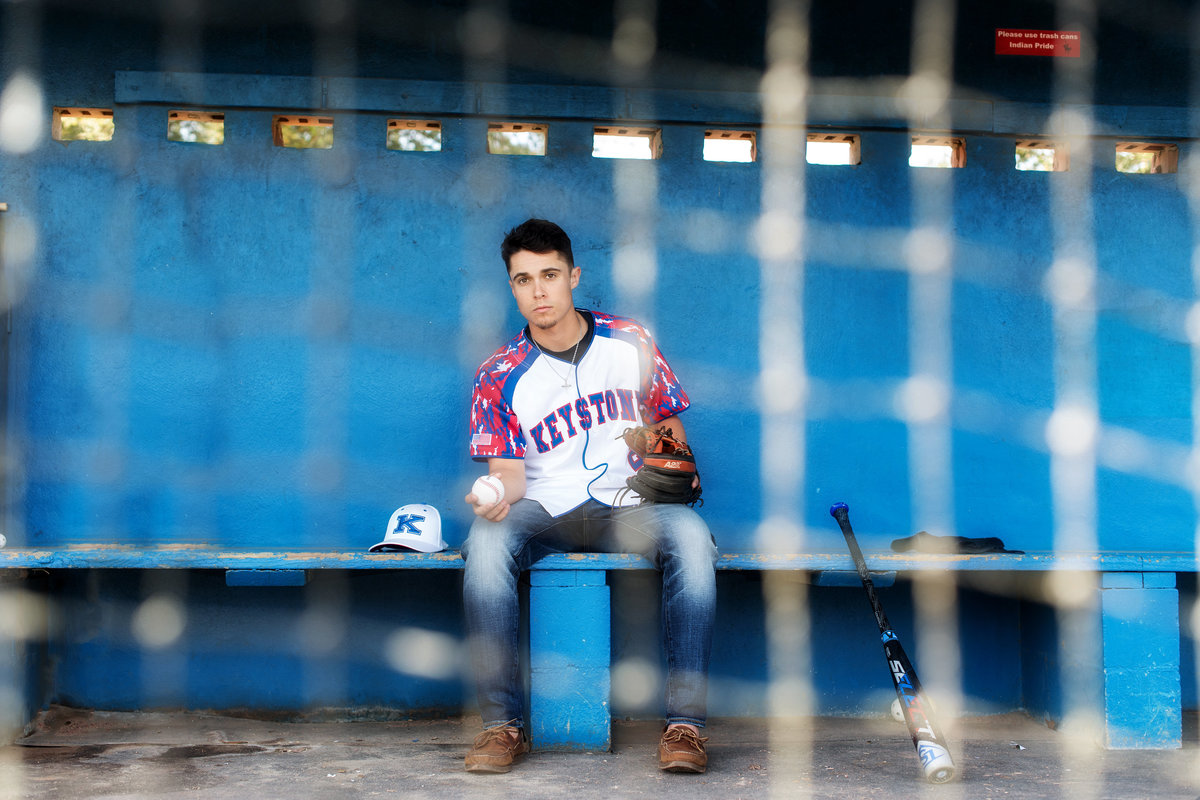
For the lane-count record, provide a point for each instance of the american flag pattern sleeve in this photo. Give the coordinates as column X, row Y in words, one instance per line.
column 661, row 395
column 495, row 428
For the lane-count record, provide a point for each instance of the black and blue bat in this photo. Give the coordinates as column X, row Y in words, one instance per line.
column 926, row 736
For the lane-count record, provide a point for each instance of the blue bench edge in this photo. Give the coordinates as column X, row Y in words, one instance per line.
column 207, row 557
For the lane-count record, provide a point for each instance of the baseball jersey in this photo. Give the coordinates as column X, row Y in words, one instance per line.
column 570, row 436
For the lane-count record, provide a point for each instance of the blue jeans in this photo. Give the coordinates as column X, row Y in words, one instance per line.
column 672, row 536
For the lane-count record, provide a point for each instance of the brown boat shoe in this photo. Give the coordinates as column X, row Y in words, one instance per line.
column 496, row 749
column 681, row 749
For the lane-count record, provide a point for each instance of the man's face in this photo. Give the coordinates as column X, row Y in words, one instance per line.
column 542, row 285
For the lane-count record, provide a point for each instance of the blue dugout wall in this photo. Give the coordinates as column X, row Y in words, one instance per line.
column 260, row 347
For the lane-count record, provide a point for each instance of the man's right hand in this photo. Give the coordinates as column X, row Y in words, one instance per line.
column 511, row 472
column 493, row 512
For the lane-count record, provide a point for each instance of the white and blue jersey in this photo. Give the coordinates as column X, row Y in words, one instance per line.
column 570, row 436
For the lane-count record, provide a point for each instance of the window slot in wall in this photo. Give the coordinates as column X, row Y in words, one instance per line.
column 1042, row 155
column 736, row 146
column 516, row 138
column 1146, row 158
column 836, row 149
column 941, row 152
column 620, row 141
column 414, row 135
column 82, row 125
column 199, row 127
column 303, row 132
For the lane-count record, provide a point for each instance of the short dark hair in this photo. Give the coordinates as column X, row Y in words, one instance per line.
column 536, row 236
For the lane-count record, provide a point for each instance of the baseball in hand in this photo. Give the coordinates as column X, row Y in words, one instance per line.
column 488, row 490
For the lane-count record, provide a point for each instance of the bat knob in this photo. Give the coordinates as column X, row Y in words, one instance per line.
column 937, row 764
column 941, row 775
column 838, row 508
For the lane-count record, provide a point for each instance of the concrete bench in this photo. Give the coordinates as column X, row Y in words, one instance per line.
column 570, row 648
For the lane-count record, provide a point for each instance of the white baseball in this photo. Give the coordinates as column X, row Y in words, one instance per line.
column 488, row 490
column 3, row 540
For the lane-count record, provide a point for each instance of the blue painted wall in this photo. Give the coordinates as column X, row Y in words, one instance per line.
column 326, row 647
column 259, row 347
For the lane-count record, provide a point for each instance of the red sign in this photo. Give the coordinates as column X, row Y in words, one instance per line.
column 1017, row 42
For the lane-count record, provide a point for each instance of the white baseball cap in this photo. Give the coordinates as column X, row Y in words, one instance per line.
column 415, row 526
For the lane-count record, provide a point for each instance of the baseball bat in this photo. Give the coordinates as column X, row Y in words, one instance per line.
column 926, row 735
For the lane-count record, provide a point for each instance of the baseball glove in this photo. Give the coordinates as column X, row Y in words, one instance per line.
column 668, row 467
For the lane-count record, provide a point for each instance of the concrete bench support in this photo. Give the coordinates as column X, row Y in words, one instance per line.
column 569, row 655
column 1139, row 617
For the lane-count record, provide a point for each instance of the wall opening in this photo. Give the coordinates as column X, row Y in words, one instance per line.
column 834, row 149
column 414, row 135
column 516, row 138
column 1146, row 158
column 1042, row 155
column 616, row 141
column 198, row 127
column 303, row 132
column 938, row 152
column 82, row 125
column 736, row 146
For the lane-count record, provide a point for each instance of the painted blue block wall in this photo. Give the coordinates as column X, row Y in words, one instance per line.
column 259, row 386
column 330, row 644
column 340, row 643
column 267, row 346
column 259, row 347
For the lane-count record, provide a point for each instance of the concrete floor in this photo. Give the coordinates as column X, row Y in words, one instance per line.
column 76, row 754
